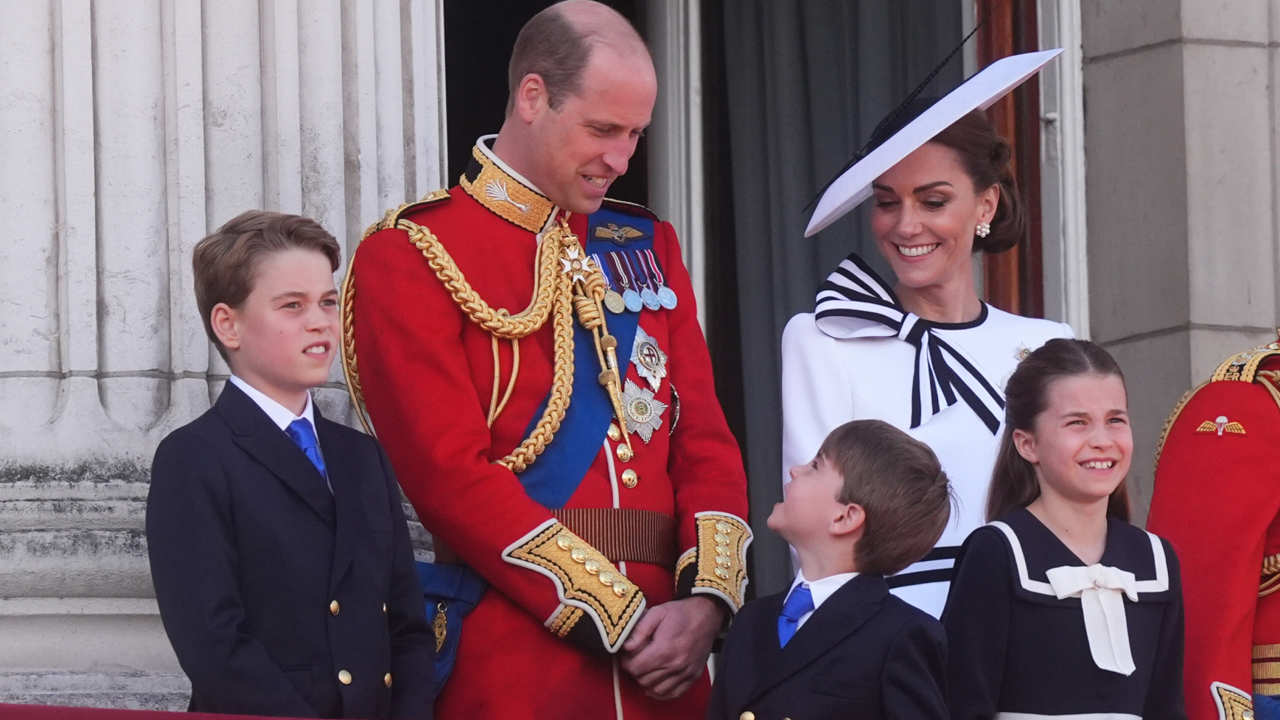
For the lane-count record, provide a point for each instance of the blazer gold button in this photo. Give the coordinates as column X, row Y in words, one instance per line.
column 624, row 453
column 614, row 433
column 748, row 715
column 334, row 607
column 630, row 478
column 344, row 677
column 386, row 680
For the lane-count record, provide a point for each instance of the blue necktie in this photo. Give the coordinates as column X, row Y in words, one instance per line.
column 799, row 602
column 302, row 434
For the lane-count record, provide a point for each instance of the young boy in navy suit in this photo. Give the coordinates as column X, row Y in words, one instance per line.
column 279, row 550
column 837, row 644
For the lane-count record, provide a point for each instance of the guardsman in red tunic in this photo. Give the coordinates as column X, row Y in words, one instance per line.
column 1217, row 499
column 530, row 357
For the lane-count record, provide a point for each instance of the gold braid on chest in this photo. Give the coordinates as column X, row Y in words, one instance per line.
column 564, row 279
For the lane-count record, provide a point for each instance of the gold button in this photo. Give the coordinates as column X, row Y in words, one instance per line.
column 624, row 453
column 748, row 715
column 630, row 478
column 386, row 679
column 564, row 542
column 721, row 539
column 614, row 433
column 344, row 677
column 723, row 561
column 722, row 573
column 620, row 588
column 334, row 607
column 578, row 555
column 606, row 578
column 591, row 566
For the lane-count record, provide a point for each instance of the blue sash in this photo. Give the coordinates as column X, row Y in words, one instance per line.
column 561, row 467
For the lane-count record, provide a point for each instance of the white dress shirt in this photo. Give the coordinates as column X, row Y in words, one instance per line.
column 279, row 414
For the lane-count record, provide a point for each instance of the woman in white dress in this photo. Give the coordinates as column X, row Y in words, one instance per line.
column 925, row 354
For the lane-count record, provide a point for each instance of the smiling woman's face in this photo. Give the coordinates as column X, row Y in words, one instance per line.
column 924, row 215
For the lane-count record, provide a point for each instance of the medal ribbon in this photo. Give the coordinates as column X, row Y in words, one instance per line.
column 639, row 269
column 658, row 277
column 854, row 302
column 623, row 273
column 604, row 270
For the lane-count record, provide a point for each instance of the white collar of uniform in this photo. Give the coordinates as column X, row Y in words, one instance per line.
column 279, row 414
column 823, row 588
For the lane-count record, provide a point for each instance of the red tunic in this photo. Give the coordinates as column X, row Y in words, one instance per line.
column 1217, row 500
column 427, row 374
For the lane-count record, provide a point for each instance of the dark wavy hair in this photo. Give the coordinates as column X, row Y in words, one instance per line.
column 1013, row 482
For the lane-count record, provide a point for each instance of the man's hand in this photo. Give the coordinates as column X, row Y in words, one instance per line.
column 668, row 648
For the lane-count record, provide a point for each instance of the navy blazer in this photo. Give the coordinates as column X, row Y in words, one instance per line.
column 862, row 654
column 279, row 597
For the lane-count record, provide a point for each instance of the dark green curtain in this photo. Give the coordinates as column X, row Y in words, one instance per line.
column 804, row 81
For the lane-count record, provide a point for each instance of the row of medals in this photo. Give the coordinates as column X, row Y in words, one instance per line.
column 641, row 281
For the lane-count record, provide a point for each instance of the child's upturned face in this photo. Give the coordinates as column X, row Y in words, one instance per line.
column 1082, row 443
column 286, row 331
column 809, row 502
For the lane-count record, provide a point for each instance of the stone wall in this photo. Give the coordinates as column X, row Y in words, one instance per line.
column 1180, row 140
column 132, row 128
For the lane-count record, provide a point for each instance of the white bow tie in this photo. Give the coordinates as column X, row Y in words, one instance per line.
column 1101, row 590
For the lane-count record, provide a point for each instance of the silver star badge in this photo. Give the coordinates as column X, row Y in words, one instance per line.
column 644, row 411
column 575, row 264
column 650, row 361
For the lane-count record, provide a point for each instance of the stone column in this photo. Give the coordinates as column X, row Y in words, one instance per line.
column 1180, row 132
column 132, row 128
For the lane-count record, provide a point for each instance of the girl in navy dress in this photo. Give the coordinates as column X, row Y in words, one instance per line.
column 1060, row 607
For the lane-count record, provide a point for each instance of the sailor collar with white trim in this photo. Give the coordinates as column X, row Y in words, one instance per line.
column 1034, row 550
column 503, row 191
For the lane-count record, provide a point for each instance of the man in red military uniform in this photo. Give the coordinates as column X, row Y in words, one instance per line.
column 1217, row 499
column 530, row 357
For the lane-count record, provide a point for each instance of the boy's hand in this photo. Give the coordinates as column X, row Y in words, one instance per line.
column 668, row 648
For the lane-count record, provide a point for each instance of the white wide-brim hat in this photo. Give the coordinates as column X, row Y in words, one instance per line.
column 979, row 92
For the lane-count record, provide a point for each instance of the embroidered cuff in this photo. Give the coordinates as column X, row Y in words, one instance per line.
column 1232, row 702
column 717, row 564
column 586, row 583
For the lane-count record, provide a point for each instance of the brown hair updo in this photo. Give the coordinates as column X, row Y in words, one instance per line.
column 985, row 157
column 1013, row 481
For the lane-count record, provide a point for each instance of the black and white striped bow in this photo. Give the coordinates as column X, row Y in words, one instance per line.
column 855, row 302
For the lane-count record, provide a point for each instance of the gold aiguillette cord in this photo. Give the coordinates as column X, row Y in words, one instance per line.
column 589, row 287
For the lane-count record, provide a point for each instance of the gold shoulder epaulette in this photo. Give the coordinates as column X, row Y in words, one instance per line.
column 393, row 215
column 1243, row 366
column 630, row 208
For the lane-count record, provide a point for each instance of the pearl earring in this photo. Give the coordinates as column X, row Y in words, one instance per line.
column 983, row 229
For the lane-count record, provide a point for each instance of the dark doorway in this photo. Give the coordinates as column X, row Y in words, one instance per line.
column 478, row 39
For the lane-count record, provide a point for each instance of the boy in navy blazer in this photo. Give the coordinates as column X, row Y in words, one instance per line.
column 837, row 644
column 279, row 550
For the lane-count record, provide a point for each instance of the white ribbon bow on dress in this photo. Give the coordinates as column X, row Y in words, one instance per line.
column 1101, row 590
